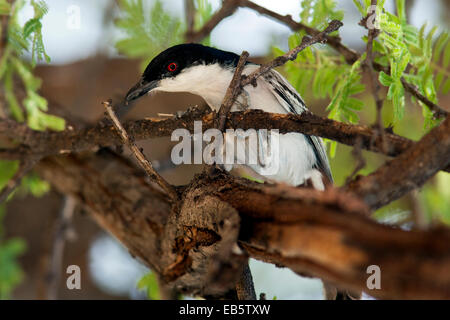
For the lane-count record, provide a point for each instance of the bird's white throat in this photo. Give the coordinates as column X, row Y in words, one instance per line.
column 208, row 81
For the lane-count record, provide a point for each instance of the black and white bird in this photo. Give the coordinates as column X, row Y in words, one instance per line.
column 207, row 72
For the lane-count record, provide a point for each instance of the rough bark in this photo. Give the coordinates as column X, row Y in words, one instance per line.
column 408, row 171
column 327, row 235
column 52, row 143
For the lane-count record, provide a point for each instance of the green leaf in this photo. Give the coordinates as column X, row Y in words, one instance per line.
column 360, row 7
column 354, row 104
column 446, row 87
column 343, row 106
column 305, row 14
column 40, row 8
column 401, row 10
column 440, row 44
column 149, row 283
column 7, row 171
column 32, row 25
column 385, row 79
column 331, row 147
column 10, row 97
column 397, row 95
column 5, row 7
column 146, row 36
column 446, row 56
column 11, row 273
column 35, row 185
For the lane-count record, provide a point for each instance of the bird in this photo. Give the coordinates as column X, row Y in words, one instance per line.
column 206, row 71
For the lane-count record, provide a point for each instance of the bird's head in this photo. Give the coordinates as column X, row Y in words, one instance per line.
column 186, row 68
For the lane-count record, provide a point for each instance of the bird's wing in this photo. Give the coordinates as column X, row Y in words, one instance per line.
column 291, row 101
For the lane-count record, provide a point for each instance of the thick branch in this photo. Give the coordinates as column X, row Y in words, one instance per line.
column 408, row 171
column 190, row 241
column 53, row 143
column 321, row 234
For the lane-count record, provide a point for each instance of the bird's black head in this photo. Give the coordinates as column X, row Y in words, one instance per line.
column 174, row 60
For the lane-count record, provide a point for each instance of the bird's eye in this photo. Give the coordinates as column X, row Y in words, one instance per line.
column 172, row 67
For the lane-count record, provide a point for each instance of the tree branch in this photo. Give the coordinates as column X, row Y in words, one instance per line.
column 12, row 184
column 53, row 143
column 189, row 10
column 408, row 171
column 62, row 233
column 233, row 91
column 245, row 288
column 350, row 55
column 292, row 54
column 189, row 238
column 227, row 9
column 140, row 157
column 373, row 80
column 322, row 234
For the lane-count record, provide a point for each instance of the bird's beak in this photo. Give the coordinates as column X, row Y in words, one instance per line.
column 140, row 89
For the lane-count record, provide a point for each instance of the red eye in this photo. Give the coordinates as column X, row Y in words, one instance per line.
column 172, row 67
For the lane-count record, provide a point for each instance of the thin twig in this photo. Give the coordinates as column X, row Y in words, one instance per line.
column 169, row 115
column 62, row 232
column 414, row 91
column 292, row 54
column 373, row 81
column 227, row 9
column 233, row 91
column 189, row 10
column 140, row 157
column 245, row 289
column 24, row 168
column 349, row 55
column 360, row 161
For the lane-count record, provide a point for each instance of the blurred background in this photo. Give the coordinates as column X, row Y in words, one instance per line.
column 86, row 69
